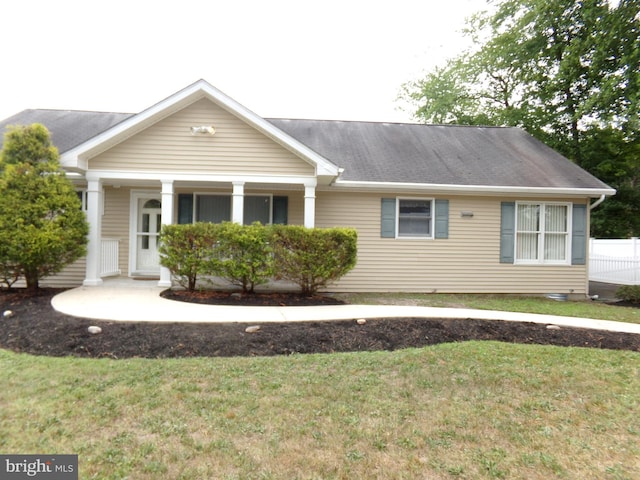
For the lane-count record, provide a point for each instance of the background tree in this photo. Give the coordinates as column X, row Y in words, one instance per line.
column 42, row 226
column 568, row 72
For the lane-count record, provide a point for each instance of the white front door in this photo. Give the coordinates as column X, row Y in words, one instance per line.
column 147, row 233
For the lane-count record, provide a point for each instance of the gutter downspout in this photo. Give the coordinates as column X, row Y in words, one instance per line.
column 597, row 202
column 591, row 207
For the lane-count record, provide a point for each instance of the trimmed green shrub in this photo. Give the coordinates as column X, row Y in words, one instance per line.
column 313, row 257
column 244, row 255
column 629, row 293
column 188, row 251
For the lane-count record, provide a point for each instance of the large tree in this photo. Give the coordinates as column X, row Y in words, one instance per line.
column 567, row 71
column 42, row 226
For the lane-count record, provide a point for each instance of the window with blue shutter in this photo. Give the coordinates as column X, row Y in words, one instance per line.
column 388, row 218
column 540, row 233
column 414, row 218
column 507, row 232
column 442, row 219
column 579, row 235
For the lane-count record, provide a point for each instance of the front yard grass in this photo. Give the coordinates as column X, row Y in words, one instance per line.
column 452, row 411
column 512, row 303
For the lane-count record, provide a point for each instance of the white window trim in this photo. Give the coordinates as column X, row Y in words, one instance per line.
column 431, row 220
column 540, row 260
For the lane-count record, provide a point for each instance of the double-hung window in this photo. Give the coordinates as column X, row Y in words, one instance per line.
column 420, row 218
column 415, row 218
column 542, row 233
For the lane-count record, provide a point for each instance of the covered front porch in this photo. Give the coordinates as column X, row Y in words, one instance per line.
column 126, row 215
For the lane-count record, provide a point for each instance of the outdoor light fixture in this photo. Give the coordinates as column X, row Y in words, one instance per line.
column 203, row 130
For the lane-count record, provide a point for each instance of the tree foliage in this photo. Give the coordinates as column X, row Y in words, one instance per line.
column 188, row 251
column 42, row 226
column 244, row 255
column 314, row 257
column 568, row 72
column 251, row 255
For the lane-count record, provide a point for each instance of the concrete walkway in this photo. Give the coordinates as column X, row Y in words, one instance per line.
column 131, row 300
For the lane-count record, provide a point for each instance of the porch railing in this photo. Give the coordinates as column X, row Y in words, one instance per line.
column 110, row 257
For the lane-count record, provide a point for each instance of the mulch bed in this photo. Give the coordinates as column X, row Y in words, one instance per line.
column 36, row 328
column 212, row 297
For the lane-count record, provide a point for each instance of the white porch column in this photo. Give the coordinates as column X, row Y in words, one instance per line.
column 167, row 219
column 310, row 203
column 238, row 203
column 94, row 217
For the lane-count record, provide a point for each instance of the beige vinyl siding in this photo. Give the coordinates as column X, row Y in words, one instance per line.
column 70, row 276
column 467, row 262
column 296, row 207
column 115, row 225
column 168, row 146
column 115, row 222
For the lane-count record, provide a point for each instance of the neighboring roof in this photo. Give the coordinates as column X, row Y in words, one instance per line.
column 439, row 154
column 68, row 128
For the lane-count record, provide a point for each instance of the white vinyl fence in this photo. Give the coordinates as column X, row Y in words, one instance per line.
column 615, row 261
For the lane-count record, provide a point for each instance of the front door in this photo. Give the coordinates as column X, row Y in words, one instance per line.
column 147, row 233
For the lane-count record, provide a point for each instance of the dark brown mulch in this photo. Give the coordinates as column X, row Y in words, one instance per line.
column 38, row 329
column 210, row 297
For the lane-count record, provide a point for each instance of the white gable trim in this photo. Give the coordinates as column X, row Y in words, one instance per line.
column 77, row 158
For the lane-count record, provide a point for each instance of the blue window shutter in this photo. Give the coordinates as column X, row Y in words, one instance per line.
column 388, row 218
column 280, row 210
column 507, row 231
column 442, row 219
column 185, row 208
column 579, row 235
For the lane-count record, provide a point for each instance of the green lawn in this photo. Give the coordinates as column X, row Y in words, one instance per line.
column 453, row 411
column 513, row 303
column 470, row 410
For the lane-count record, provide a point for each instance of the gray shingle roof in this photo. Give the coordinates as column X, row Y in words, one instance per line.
column 381, row 152
column 438, row 154
column 68, row 128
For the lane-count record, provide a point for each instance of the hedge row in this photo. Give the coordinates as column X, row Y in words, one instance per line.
column 251, row 255
column 629, row 293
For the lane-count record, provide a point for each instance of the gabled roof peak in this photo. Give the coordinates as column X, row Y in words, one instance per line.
column 78, row 157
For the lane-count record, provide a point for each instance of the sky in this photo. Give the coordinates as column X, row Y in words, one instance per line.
column 326, row 59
